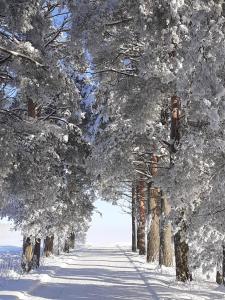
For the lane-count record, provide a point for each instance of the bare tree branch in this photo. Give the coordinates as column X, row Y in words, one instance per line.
column 18, row 54
column 2, row 61
column 9, row 37
column 6, row 76
column 50, row 7
column 12, row 114
column 118, row 22
column 19, row 109
column 57, row 33
column 122, row 72
column 54, row 118
column 142, row 173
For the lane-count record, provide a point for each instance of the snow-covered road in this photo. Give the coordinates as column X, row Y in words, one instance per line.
column 102, row 273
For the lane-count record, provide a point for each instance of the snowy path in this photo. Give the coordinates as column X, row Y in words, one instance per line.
column 102, row 273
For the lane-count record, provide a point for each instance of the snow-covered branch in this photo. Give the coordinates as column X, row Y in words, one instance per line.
column 24, row 56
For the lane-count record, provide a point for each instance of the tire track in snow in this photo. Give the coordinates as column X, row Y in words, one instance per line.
column 140, row 273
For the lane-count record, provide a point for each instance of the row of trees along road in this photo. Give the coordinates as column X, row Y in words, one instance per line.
column 132, row 106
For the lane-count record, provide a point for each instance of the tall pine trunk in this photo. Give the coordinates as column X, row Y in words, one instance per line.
column 180, row 239
column 24, row 243
column 223, row 264
column 181, row 254
column 37, row 252
column 66, row 246
column 142, row 250
column 153, row 235
column 220, row 272
column 166, row 252
column 48, row 245
column 51, row 245
column 138, row 216
column 72, row 240
column 134, row 224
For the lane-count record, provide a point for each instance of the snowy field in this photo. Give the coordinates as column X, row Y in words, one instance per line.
column 10, row 257
column 97, row 273
column 10, row 251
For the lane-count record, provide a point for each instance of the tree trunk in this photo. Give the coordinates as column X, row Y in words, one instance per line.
column 180, row 244
column 134, row 230
column 223, row 264
column 142, row 250
column 31, row 108
column 51, row 245
column 23, row 258
column 48, row 245
column 66, row 246
column 24, row 243
column 220, row 273
column 153, row 236
column 149, row 189
column 138, row 236
column 37, row 252
column 181, row 254
column 58, row 245
column 175, row 118
column 166, row 253
column 138, row 216
column 219, row 277
column 72, row 240
column 161, row 225
column 28, row 254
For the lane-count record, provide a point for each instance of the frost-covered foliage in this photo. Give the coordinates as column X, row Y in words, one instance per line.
column 65, row 82
column 196, row 180
column 43, row 182
column 145, row 52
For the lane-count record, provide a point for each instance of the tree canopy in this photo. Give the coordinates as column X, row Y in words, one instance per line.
column 85, row 107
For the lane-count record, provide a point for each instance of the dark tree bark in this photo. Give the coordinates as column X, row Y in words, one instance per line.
column 223, row 264
column 220, row 273
column 138, row 216
column 142, row 250
column 165, row 253
column 219, row 277
column 66, row 246
column 51, row 244
column 134, row 224
column 48, row 245
column 175, row 120
column 31, row 108
column 138, row 236
column 58, row 246
column 154, row 165
column 181, row 254
column 28, row 254
column 72, row 240
column 37, row 252
column 153, row 235
column 180, row 244
column 161, row 225
column 153, row 238
column 24, row 243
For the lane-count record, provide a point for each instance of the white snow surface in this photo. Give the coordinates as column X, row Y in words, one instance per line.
column 97, row 273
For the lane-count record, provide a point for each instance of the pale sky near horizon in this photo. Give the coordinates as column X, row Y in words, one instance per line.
column 113, row 227
column 8, row 236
